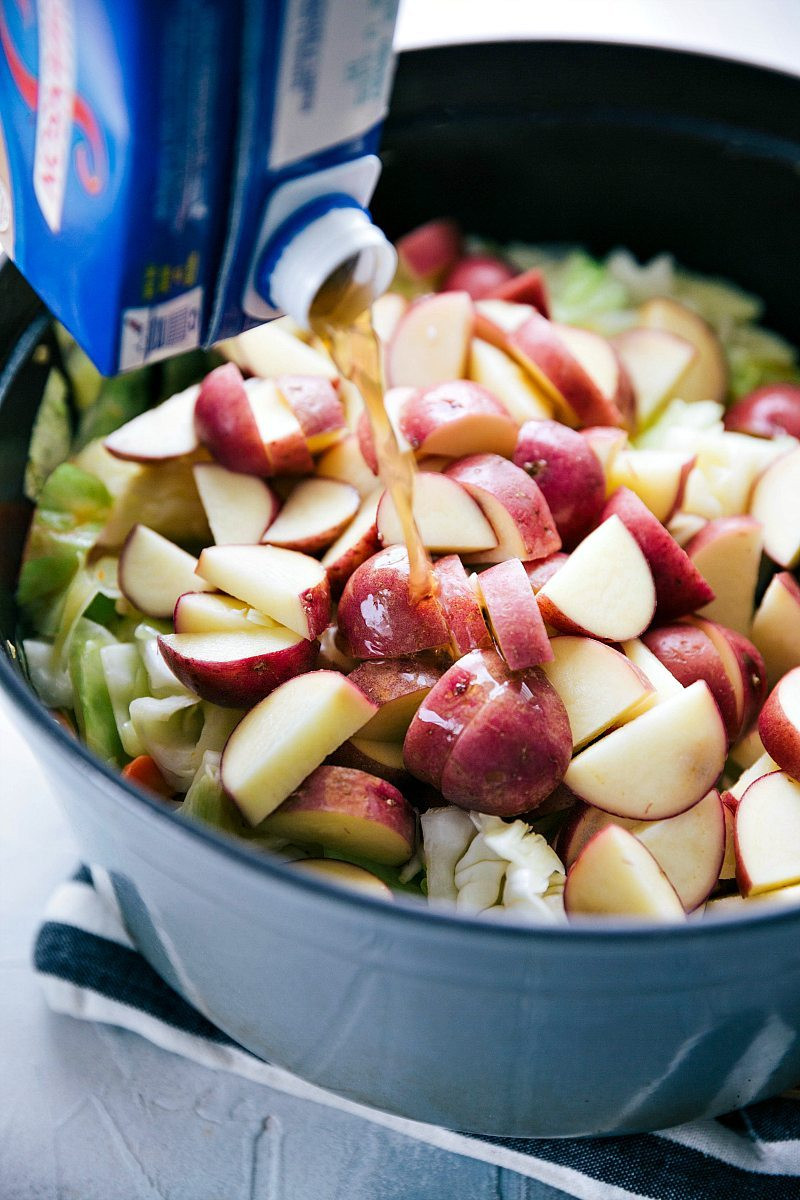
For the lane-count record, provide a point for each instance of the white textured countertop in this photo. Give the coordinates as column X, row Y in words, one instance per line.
column 91, row 1113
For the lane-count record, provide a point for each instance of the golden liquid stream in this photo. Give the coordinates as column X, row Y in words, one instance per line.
column 346, row 330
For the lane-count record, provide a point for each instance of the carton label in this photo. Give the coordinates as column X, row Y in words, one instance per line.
column 56, row 103
column 142, row 143
column 150, row 334
column 334, row 75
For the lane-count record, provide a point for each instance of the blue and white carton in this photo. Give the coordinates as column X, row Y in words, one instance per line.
column 175, row 171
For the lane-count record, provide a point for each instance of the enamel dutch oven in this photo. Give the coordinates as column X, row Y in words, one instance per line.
column 497, row 1029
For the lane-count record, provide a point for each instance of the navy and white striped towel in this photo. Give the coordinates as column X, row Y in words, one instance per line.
column 89, row 969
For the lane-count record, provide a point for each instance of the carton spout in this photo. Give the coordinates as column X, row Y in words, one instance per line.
column 327, row 262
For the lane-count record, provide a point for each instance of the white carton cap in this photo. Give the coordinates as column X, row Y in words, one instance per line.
column 305, row 254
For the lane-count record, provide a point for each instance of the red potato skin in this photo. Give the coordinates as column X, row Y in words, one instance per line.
column 348, row 755
column 316, row 604
column 767, row 412
column 521, row 496
column 491, row 739
column 377, row 616
column 542, row 569
column 430, row 249
column 447, row 710
column 560, row 800
column 514, row 751
column 479, row 275
column 780, row 736
column 355, row 793
column 384, row 680
column 686, row 471
column 429, row 410
column 729, row 801
column 290, row 456
column 516, row 620
column 527, row 288
column 538, row 342
column 339, row 572
column 463, row 615
column 568, row 473
column 689, row 655
column 366, row 442
column 243, row 683
column 754, row 675
column 625, row 399
column 314, row 401
column 680, row 588
column 225, row 423
column 716, row 528
column 582, row 823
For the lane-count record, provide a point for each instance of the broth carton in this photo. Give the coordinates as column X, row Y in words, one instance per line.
column 175, row 171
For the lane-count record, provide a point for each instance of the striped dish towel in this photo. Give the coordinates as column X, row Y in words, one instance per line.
column 90, row 969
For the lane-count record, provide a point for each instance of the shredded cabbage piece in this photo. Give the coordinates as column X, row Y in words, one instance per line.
column 168, row 729
column 93, row 710
column 51, row 436
column 178, row 730
column 680, row 414
column 162, row 680
column 446, row 833
column 126, row 680
column 206, row 801
column 487, row 865
column 50, row 680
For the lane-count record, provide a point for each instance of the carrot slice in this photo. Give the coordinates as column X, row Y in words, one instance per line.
column 144, row 772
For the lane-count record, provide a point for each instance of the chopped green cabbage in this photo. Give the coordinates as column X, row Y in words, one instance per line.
column 168, row 729
column 126, row 681
column 51, row 437
column 584, row 292
column 206, row 801
column 534, row 875
column 487, row 865
column 218, row 725
column 679, row 414
column 161, row 679
column 51, row 681
column 92, row 704
column 76, row 495
column 179, row 730
column 727, row 465
column 84, row 377
column 446, row 834
column 72, row 509
column 88, row 584
column 757, row 356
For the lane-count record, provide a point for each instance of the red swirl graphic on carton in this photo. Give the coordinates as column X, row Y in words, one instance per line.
column 53, row 97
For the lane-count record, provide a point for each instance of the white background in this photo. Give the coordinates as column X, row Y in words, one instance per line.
column 764, row 31
column 91, row 1112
